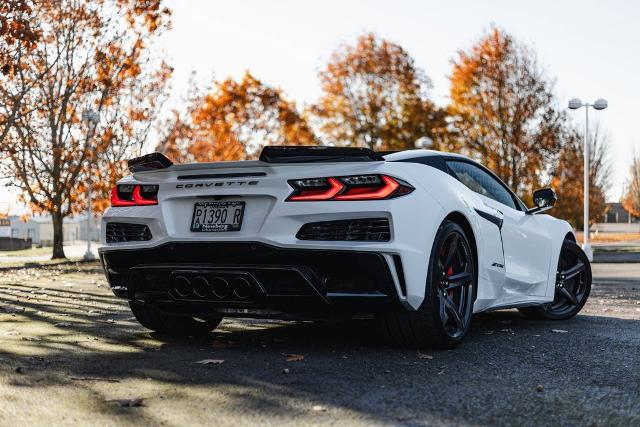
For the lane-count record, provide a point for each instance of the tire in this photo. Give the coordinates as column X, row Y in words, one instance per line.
column 152, row 318
column 425, row 327
column 564, row 306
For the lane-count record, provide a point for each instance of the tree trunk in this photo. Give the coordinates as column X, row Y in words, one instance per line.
column 58, row 249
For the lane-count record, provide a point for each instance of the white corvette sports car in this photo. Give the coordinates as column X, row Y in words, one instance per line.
column 419, row 240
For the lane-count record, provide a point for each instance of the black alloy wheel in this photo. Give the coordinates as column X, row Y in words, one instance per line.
column 444, row 317
column 573, row 285
column 455, row 287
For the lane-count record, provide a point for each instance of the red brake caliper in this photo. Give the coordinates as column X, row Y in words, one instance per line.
column 449, row 274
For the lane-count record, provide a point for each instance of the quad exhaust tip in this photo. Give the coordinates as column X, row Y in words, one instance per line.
column 182, row 286
column 242, row 288
column 201, row 287
column 220, row 287
column 217, row 288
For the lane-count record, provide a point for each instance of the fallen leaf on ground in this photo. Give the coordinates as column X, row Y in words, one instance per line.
column 293, row 357
column 62, row 325
column 559, row 331
column 318, row 408
column 540, row 387
column 128, row 403
column 210, row 362
column 424, row 356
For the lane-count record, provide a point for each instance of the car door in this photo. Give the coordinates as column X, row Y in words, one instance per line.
column 526, row 243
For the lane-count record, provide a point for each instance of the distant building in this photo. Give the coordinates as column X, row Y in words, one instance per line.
column 40, row 229
column 95, row 227
column 617, row 214
column 5, row 227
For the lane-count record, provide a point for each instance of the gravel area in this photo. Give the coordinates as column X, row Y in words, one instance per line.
column 71, row 354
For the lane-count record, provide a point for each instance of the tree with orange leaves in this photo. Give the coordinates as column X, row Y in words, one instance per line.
column 232, row 121
column 15, row 30
column 16, row 35
column 503, row 110
column 567, row 177
column 631, row 197
column 88, row 55
column 375, row 96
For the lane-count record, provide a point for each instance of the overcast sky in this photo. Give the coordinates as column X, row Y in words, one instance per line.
column 592, row 47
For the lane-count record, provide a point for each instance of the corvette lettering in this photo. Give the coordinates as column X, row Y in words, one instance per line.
column 217, row 184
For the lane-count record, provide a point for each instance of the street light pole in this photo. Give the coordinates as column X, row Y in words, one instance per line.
column 599, row 104
column 90, row 118
column 586, row 246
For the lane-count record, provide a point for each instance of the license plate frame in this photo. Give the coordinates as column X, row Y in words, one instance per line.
column 217, row 227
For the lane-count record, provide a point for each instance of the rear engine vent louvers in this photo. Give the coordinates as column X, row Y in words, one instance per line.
column 118, row 232
column 371, row 229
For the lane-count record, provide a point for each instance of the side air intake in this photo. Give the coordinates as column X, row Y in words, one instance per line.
column 118, row 232
column 366, row 230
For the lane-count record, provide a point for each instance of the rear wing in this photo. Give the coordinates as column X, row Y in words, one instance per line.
column 317, row 154
column 274, row 154
column 149, row 162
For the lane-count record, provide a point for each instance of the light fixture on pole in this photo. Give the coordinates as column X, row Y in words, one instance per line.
column 424, row 142
column 90, row 118
column 599, row 104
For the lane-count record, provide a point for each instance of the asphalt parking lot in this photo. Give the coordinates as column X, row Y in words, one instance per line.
column 71, row 354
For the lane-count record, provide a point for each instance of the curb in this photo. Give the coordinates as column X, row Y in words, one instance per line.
column 616, row 257
column 27, row 264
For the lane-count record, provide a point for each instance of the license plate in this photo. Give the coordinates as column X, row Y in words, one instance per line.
column 217, row 216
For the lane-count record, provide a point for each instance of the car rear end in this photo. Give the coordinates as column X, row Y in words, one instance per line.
column 297, row 234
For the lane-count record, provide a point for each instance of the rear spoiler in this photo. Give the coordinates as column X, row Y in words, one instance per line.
column 317, row 154
column 149, row 162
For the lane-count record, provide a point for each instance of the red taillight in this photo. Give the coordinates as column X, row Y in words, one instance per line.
column 358, row 187
column 388, row 187
column 134, row 195
column 139, row 199
column 333, row 187
column 117, row 201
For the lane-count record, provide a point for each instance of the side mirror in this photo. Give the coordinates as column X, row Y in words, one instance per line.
column 544, row 199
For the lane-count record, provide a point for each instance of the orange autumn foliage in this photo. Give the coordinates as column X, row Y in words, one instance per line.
column 233, row 121
column 503, row 111
column 567, row 178
column 631, row 197
column 87, row 55
column 373, row 95
column 16, row 31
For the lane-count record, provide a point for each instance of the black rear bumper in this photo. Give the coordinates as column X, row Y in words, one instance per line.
column 247, row 279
